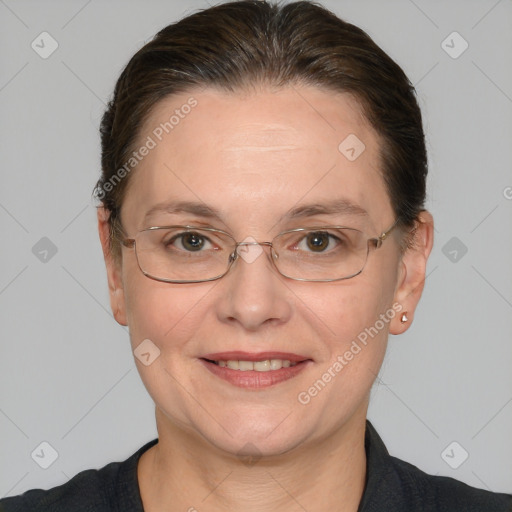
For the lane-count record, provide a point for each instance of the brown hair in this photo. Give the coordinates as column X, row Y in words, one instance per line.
column 239, row 44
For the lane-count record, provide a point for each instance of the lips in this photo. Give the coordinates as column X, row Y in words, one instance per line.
column 246, row 370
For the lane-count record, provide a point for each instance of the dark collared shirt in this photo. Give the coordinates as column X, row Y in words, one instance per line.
column 392, row 485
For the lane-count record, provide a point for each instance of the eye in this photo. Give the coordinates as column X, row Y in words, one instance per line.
column 188, row 241
column 318, row 241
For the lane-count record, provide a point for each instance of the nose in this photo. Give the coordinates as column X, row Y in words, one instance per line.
column 253, row 293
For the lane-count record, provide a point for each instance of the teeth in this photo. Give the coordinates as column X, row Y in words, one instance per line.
column 262, row 366
column 259, row 366
column 276, row 364
column 244, row 365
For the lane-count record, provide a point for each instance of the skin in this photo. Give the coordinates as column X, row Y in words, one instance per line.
column 254, row 156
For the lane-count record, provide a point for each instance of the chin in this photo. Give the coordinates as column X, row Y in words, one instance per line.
column 256, row 445
column 266, row 435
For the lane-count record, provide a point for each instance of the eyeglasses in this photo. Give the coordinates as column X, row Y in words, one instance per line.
column 189, row 254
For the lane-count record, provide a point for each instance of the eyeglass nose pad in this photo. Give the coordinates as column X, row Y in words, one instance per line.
column 236, row 253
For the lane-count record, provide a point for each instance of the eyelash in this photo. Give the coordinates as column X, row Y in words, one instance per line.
column 296, row 243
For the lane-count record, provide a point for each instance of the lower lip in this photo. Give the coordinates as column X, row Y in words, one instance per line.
column 253, row 379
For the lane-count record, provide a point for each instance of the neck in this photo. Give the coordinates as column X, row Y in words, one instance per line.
column 185, row 472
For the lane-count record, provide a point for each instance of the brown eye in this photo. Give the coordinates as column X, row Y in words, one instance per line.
column 192, row 241
column 189, row 241
column 318, row 242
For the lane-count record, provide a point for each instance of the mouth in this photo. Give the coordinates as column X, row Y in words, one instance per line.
column 265, row 365
column 255, row 371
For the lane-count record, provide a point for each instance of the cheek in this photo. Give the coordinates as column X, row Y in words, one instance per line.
column 167, row 314
column 369, row 312
column 353, row 345
column 342, row 310
column 148, row 304
column 358, row 315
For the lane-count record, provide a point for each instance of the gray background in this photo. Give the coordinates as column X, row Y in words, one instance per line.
column 66, row 371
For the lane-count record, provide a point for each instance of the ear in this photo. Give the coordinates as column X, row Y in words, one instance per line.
column 412, row 272
column 115, row 283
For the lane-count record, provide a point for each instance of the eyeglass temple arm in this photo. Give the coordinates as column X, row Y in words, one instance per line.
column 386, row 233
column 128, row 242
column 119, row 234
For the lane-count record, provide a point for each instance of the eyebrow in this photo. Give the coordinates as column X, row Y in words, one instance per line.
column 195, row 208
column 337, row 206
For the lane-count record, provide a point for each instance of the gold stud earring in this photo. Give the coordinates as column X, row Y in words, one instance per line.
column 404, row 318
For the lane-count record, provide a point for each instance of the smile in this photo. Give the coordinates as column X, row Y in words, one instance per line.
column 266, row 365
column 255, row 374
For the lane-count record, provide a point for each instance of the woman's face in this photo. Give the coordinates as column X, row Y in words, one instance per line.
column 254, row 159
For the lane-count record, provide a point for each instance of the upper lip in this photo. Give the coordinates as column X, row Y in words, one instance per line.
column 237, row 355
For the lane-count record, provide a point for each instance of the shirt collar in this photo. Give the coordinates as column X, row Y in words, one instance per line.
column 383, row 486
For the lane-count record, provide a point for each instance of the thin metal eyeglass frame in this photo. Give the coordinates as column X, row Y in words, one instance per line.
column 377, row 242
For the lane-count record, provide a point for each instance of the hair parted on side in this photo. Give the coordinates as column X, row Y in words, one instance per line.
column 241, row 45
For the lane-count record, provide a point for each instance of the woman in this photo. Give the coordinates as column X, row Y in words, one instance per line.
column 263, row 226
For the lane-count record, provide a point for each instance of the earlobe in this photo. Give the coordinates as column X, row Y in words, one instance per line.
column 412, row 273
column 117, row 304
column 401, row 322
column 115, row 284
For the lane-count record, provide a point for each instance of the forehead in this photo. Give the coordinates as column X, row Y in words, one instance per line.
column 261, row 152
